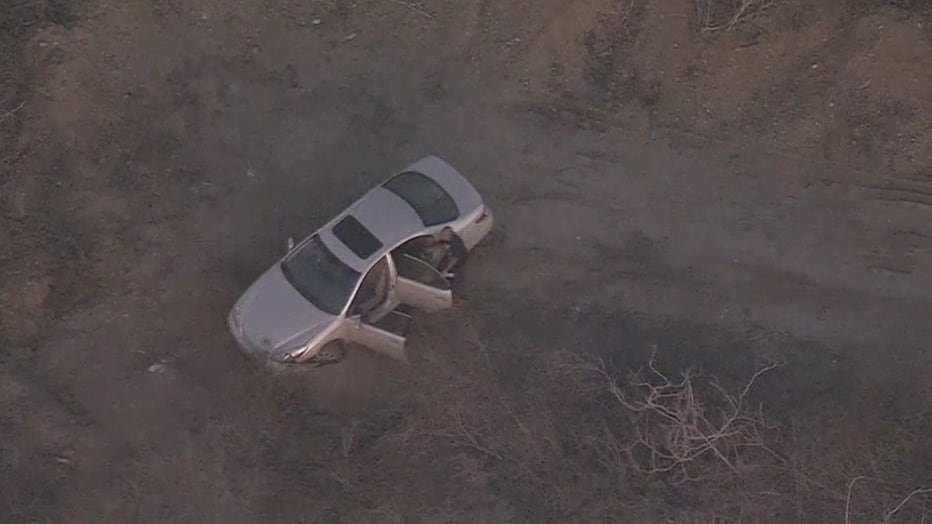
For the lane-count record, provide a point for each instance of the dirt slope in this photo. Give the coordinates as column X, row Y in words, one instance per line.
column 727, row 195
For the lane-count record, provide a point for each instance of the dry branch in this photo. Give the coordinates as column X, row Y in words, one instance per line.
column 674, row 426
column 890, row 513
column 12, row 112
column 461, row 433
column 740, row 11
column 915, row 492
column 851, row 484
column 414, row 8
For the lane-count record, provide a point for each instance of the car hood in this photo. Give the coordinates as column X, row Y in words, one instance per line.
column 274, row 317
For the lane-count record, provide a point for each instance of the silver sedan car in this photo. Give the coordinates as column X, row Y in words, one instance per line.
column 358, row 278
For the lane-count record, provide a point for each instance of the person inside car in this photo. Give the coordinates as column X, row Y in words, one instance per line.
column 454, row 250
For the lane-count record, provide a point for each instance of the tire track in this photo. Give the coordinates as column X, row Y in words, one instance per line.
column 902, row 191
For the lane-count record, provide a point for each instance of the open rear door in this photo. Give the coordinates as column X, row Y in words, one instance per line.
column 420, row 285
column 387, row 336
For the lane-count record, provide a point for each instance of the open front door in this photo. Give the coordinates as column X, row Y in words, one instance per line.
column 387, row 336
column 420, row 285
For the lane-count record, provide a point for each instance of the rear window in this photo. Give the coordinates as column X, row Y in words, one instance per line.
column 360, row 240
column 425, row 196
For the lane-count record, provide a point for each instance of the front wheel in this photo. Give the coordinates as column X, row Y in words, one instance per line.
column 332, row 353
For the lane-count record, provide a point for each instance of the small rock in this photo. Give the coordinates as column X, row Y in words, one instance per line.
column 250, row 173
column 157, row 368
column 315, row 21
column 350, row 36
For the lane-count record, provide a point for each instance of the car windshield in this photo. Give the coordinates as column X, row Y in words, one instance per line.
column 320, row 276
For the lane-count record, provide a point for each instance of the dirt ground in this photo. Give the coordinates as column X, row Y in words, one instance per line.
column 723, row 186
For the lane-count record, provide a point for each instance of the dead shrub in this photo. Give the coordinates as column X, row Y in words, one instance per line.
column 899, row 505
column 723, row 15
column 685, row 426
column 580, row 436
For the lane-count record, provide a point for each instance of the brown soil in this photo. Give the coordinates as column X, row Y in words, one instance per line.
column 664, row 176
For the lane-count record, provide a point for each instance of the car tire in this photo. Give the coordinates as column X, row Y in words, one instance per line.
column 332, row 353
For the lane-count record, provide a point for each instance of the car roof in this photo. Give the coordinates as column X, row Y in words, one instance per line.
column 392, row 220
column 389, row 218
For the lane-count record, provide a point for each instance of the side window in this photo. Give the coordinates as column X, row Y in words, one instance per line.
column 373, row 290
column 419, row 271
column 424, row 248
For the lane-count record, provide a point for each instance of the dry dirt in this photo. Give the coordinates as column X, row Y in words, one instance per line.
column 726, row 193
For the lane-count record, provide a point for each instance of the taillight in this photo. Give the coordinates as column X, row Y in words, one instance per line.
column 485, row 214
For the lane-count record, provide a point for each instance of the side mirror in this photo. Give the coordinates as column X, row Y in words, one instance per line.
column 290, row 244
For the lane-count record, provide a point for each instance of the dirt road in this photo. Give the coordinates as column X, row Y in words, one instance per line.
column 652, row 189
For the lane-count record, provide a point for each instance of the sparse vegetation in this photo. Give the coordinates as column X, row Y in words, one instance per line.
column 581, row 434
column 723, row 15
column 129, row 224
column 677, row 427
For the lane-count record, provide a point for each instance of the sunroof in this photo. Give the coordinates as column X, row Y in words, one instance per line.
column 360, row 240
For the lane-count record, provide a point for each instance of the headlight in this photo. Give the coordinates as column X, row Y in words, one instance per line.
column 293, row 354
